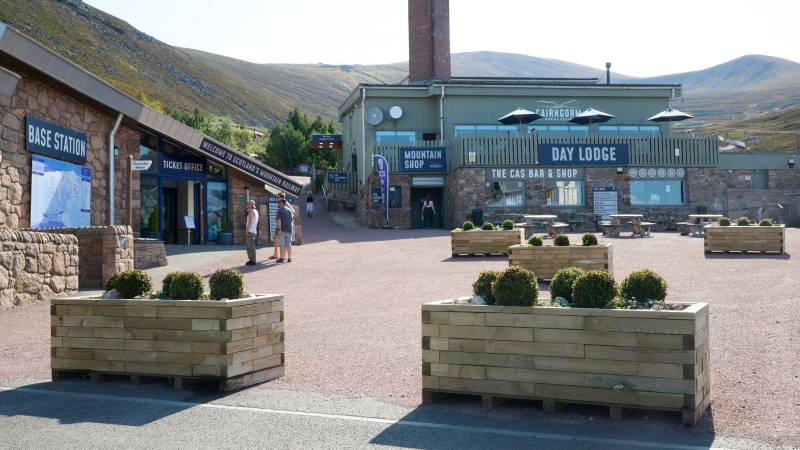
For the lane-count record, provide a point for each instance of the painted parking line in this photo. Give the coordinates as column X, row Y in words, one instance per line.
column 351, row 418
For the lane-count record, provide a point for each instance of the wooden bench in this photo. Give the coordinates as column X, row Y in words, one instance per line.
column 685, row 228
column 610, row 229
column 555, row 228
column 641, row 228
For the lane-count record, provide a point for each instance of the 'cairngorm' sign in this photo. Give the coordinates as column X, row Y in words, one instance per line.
column 537, row 173
column 254, row 168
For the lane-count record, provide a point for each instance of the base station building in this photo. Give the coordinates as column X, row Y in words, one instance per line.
column 441, row 138
column 66, row 138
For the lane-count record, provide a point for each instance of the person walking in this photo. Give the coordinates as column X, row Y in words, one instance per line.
column 275, row 245
column 310, row 204
column 251, row 229
column 284, row 230
column 428, row 211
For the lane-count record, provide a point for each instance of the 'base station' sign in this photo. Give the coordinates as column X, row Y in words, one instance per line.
column 54, row 141
column 584, row 154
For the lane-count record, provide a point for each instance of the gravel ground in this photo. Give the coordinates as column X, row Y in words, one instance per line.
column 353, row 317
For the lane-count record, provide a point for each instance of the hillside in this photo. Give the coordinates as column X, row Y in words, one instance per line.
column 261, row 94
column 774, row 131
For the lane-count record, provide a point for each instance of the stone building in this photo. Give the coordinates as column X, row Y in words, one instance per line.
column 441, row 138
column 58, row 123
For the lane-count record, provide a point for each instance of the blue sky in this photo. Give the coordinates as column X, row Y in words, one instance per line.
column 641, row 38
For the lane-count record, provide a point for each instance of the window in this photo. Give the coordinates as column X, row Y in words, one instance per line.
column 656, row 192
column 760, row 179
column 215, row 170
column 398, row 138
column 147, row 150
column 148, row 211
column 560, row 130
column 629, row 130
column 505, row 194
column 564, row 193
column 395, row 197
column 485, row 130
column 216, row 209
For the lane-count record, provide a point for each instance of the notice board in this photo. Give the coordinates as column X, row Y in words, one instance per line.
column 605, row 200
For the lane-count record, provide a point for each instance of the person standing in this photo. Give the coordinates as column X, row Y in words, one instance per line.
column 284, row 230
column 428, row 211
column 251, row 229
column 309, row 204
column 275, row 245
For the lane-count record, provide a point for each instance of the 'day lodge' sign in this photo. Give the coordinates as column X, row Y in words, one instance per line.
column 584, row 154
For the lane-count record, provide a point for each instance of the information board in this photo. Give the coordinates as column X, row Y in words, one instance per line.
column 60, row 194
column 605, row 200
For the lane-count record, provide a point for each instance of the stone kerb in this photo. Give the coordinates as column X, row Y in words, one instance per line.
column 36, row 266
column 104, row 251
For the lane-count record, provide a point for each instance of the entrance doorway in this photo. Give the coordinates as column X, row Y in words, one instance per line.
column 418, row 195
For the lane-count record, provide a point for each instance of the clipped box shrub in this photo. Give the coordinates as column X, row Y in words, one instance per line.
column 724, row 222
column 561, row 285
column 595, row 289
column 515, row 286
column 111, row 283
column 765, row 223
column 743, row 221
column 535, row 241
column 561, row 240
column 508, row 224
column 167, row 282
column 132, row 283
column 468, row 225
column 483, row 286
column 186, row 286
column 488, row 226
column 226, row 283
column 589, row 239
column 643, row 285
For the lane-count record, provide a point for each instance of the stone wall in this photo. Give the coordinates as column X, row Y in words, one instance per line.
column 114, row 245
column 36, row 266
column 148, row 253
column 373, row 215
column 52, row 104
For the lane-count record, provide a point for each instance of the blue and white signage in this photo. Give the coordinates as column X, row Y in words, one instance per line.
column 382, row 167
column 337, row 177
column 182, row 166
column 54, row 141
column 583, row 154
column 423, row 159
column 605, row 200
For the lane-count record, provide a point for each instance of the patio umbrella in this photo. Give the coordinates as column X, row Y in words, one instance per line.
column 670, row 115
column 590, row 116
column 519, row 117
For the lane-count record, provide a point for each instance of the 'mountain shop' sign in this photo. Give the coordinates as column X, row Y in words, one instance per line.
column 251, row 167
column 584, row 154
column 423, row 159
column 54, row 141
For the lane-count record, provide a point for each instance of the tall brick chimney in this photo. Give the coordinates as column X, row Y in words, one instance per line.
column 428, row 40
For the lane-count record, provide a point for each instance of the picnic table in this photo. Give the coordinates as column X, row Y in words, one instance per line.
column 696, row 223
column 548, row 221
column 638, row 227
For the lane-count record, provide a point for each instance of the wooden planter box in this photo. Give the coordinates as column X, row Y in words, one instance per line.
column 545, row 261
column 236, row 343
column 752, row 238
column 616, row 358
column 481, row 242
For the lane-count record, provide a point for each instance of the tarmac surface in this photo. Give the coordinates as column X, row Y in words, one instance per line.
column 353, row 299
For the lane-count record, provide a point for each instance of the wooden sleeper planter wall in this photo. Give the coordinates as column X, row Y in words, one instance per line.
column 545, row 261
column 616, row 358
column 485, row 242
column 236, row 343
column 750, row 238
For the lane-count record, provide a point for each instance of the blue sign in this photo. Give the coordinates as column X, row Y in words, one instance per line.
column 54, row 141
column 337, row 177
column 584, row 154
column 377, row 196
column 423, row 159
column 182, row 166
column 382, row 167
column 326, row 137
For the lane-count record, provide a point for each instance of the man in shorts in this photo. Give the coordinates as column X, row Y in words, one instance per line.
column 284, row 230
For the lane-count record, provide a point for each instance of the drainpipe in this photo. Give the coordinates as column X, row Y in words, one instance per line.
column 111, row 172
column 441, row 117
column 364, row 134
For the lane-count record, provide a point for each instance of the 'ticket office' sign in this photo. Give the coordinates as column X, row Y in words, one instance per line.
column 584, row 154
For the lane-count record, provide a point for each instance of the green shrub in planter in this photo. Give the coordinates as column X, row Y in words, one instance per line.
column 561, row 286
column 132, row 283
column 743, row 221
column 724, row 222
column 535, row 241
column 765, row 223
column 595, row 289
column 488, row 226
column 186, row 286
column 468, row 225
column 589, row 239
column 515, row 286
column 508, row 225
column 643, row 285
column 226, row 283
column 111, row 283
column 167, row 282
column 561, row 240
column 483, row 286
